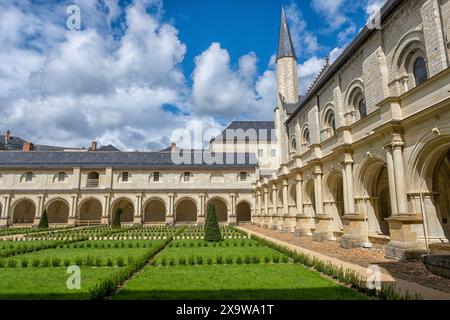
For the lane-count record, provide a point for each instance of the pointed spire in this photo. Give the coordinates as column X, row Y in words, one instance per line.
column 285, row 47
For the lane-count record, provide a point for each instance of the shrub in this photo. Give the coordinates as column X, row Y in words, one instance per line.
column 182, row 261
column 43, row 223
column 109, row 262
column 248, row 260
column 285, row 259
column 191, row 261
column 212, row 230
column 120, row 262
column 200, row 260
column 219, row 259
column 2, row 263
column 209, row 260
column 79, row 261
column 35, row 262
column 12, row 263
column 56, row 262
column 255, row 260
column 171, row 261
column 276, row 259
column 229, row 260
column 266, row 259
column 45, row 262
column 66, row 262
column 239, row 260
column 90, row 261
column 164, row 261
column 24, row 263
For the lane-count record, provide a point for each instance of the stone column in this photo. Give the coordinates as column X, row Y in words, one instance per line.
column 349, row 186
column 266, row 207
column 39, row 209
column 170, row 219
column 391, row 178
column 4, row 217
column 259, row 207
column 299, row 194
column 318, row 190
column 107, row 214
column 201, row 217
column 274, row 207
column 344, row 187
column 399, row 173
column 138, row 214
column 72, row 210
column 285, row 197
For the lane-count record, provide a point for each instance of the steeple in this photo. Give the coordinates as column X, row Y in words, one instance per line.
column 285, row 47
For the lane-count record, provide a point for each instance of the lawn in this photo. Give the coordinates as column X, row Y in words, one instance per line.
column 48, row 283
column 234, row 282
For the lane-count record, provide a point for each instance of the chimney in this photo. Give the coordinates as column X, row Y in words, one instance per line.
column 94, row 146
column 7, row 136
column 173, row 147
column 27, row 147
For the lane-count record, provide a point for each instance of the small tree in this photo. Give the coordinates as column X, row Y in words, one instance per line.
column 43, row 223
column 116, row 220
column 212, row 230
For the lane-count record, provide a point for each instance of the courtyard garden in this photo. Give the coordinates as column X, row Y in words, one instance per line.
column 159, row 262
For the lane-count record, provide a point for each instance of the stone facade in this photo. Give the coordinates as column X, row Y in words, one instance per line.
column 365, row 157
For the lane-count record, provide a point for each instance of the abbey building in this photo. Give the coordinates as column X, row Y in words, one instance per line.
column 362, row 158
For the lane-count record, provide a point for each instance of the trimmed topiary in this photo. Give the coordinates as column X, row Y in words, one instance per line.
column 43, row 223
column 116, row 220
column 212, row 229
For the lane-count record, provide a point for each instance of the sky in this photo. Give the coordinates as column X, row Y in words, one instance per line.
column 140, row 74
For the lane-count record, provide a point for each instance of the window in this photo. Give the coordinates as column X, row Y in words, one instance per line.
column 187, row 176
column 362, row 108
column 306, row 138
column 156, row 177
column 243, row 176
column 61, row 176
column 93, row 180
column 125, row 176
column 330, row 121
column 29, row 177
column 420, row 71
column 260, row 153
column 294, row 145
column 274, row 153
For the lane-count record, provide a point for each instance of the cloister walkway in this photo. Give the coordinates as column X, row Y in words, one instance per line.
column 408, row 276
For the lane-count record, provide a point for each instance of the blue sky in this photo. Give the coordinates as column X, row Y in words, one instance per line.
column 142, row 73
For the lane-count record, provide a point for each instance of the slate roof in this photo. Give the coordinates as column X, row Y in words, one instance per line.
column 285, row 47
column 125, row 160
column 108, row 148
column 14, row 143
column 264, row 131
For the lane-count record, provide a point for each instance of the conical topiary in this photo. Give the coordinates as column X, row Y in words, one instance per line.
column 212, row 230
column 116, row 219
column 43, row 223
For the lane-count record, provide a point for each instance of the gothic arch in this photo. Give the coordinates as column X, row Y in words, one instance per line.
column 355, row 93
column 186, row 210
column 23, row 211
column 334, row 197
column 155, row 210
column 309, row 202
column 57, row 211
column 221, row 206
column 292, row 194
column 127, row 208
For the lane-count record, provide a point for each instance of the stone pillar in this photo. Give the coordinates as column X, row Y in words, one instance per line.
column 318, row 190
column 405, row 227
column 286, row 222
column 232, row 219
column 4, row 217
column 106, row 219
column 391, row 178
column 138, row 219
column 349, row 185
column 170, row 219
column 299, row 194
column 202, row 216
column 259, row 207
column 344, row 187
column 72, row 210
column 39, row 210
column 266, row 207
column 274, row 207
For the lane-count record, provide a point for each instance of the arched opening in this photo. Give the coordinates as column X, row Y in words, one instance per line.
column 24, row 212
column 93, row 179
column 309, row 203
column 306, row 140
column 155, row 212
column 420, row 71
column 431, row 176
column 243, row 212
column 126, row 209
column 221, row 209
column 186, row 211
column 329, row 129
column 362, row 108
column 58, row 212
column 90, row 212
column 334, row 199
column 375, row 202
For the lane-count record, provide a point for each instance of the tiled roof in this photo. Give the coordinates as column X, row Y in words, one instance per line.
column 131, row 160
column 255, row 130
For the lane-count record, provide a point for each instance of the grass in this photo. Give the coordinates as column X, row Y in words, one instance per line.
column 243, row 282
column 73, row 253
column 48, row 283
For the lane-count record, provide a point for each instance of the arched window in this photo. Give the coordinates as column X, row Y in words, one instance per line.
column 306, row 139
column 330, row 121
column 420, row 71
column 362, row 107
column 294, row 145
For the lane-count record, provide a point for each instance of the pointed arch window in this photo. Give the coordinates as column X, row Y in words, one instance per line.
column 330, row 122
column 362, row 108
